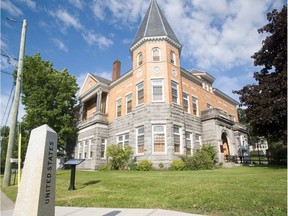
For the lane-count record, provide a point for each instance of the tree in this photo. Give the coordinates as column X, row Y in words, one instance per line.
column 4, row 133
column 4, row 142
column 49, row 97
column 266, row 101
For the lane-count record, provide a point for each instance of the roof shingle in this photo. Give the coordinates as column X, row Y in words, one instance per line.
column 154, row 24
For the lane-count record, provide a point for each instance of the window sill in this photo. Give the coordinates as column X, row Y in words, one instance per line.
column 158, row 101
column 139, row 105
column 159, row 153
column 177, row 104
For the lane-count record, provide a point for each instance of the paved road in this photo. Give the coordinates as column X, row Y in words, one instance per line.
column 7, row 207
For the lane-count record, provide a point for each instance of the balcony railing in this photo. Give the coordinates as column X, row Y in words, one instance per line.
column 216, row 113
column 97, row 117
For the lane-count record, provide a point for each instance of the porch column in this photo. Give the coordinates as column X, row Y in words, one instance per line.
column 98, row 102
column 81, row 111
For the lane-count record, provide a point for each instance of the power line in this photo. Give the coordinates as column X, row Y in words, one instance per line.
column 11, row 93
column 5, row 72
column 9, row 58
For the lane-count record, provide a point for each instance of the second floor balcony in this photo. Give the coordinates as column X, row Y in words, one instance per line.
column 93, row 111
column 217, row 113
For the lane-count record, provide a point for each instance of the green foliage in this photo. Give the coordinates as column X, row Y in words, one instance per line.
column 203, row 159
column 178, row 165
column 119, row 158
column 278, row 154
column 144, row 165
column 4, row 143
column 211, row 151
column 266, row 101
column 161, row 165
column 49, row 97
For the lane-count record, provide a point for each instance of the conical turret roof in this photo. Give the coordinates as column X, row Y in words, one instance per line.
column 155, row 24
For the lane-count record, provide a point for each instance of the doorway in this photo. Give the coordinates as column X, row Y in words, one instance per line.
column 225, row 147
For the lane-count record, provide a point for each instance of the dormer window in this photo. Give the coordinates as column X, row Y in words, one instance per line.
column 139, row 59
column 156, row 54
column 172, row 58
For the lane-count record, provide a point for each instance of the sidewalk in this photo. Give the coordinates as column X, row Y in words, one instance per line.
column 7, row 207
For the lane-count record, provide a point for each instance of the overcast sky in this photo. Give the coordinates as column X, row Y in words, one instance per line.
column 218, row 36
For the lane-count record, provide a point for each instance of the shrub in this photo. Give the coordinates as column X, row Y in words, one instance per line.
column 203, row 159
column 144, row 165
column 119, row 158
column 161, row 165
column 210, row 149
column 177, row 165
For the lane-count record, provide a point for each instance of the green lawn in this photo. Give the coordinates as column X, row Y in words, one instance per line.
column 230, row 191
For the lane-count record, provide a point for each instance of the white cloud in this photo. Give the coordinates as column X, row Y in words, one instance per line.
column 60, row 45
column 127, row 41
column 217, row 35
column 98, row 9
column 105, row 74
column 10, row 8
column 31, row 4
column 77, row 3
column 124, row 12
column 67, row 19
column 101, row 41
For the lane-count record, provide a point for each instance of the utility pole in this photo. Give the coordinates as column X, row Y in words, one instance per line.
column 7, row 171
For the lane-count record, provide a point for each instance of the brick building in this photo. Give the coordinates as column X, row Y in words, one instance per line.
column 158, row 108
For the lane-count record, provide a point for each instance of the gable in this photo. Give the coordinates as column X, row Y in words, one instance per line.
column 89, row 82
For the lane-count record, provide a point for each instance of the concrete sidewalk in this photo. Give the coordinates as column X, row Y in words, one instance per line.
column 7, row 207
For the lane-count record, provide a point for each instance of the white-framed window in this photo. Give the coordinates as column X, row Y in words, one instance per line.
column 123, row 140
column 172, row 57
column 195, row 105
column 177, row 139
column 175, row 91
column 140, row 93
column 156, row 54
column 140, row 140
column 157, row 90
column 103, row 147
column 159, row 138
column 197, row 142
column 139, row 59
column 186, row 105
column 118, row 107
column 90, row 149
column 129, row 103
column 85, row 142
column 79, row 150
column 188, row 142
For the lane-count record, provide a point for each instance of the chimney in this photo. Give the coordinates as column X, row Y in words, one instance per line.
column 116, row 70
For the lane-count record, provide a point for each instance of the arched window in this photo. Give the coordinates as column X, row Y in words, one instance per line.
column 139, row 59
column 172, row 58
column 156, row 54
